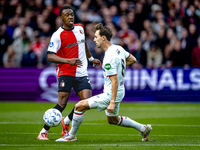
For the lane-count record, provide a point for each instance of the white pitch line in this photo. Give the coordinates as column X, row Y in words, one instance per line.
column 99, row 145
column 106, row 134
column 165, row 125
column 174, row 108
column 175, row 125
column 21, row 123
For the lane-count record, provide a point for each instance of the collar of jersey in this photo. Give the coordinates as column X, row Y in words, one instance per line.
column 67, row 29
column 109, row 47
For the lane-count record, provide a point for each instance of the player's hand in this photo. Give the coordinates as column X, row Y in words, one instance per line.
column 75, row 62
column 96, row 62
column 111, row 108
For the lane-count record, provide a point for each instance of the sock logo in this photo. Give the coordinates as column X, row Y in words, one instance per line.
column 75, row 120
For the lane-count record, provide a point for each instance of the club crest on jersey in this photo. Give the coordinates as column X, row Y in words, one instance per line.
column 81, row 31
column 51, row 44
column 118, row 51
column 66, row 37
column 62, row 84
column 107, row 66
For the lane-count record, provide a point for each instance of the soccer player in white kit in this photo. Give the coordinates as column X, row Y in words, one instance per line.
column 114, row 64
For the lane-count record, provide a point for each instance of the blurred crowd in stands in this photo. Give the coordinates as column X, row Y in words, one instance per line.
column 159, row 33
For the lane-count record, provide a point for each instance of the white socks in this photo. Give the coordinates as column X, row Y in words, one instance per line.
column 76, row 122
column 67, row 120
column 124, row 121
column 43, row 131
column 127, row 122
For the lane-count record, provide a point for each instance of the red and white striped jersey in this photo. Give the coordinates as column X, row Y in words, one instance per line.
column 69, row 44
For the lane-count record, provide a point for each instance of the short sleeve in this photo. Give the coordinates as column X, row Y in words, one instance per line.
column 127, row 54
column 111, row 67
column 54, row 44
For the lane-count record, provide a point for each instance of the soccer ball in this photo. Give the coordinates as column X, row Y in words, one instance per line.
column 52, row 117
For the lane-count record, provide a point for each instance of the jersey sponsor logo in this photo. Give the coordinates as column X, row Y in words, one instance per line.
column 107, row 66
column 51, row 44
column 75, row 43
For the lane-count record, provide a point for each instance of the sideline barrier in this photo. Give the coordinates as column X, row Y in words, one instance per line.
column 141, row 85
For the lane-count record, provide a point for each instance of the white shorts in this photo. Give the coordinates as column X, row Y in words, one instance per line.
column 101, row 102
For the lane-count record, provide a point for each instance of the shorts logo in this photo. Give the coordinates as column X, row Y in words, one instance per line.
column 62, row 84
column 107, row 66
column 51, row 44
column 88, row 80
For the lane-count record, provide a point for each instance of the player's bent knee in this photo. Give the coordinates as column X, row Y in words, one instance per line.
column 80, row 106
column 112, row 120
column 77, row 107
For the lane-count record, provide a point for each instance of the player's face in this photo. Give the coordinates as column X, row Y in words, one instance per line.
column 67, row 17
column 98, row 39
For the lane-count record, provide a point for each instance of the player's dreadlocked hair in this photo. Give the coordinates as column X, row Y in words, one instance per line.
column 103, row 31
column 62, row 8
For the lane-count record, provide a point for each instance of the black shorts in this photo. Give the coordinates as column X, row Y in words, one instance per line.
column 66, row 83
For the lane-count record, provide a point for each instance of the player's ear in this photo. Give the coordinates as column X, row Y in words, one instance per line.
column 104, row 38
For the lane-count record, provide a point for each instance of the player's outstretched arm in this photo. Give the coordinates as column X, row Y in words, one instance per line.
column 131, row 60
column 56, row 59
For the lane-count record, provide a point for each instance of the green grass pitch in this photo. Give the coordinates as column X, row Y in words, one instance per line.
column 175, row 126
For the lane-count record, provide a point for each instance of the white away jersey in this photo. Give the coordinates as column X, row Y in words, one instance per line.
column 69, row 44
column 114, row 63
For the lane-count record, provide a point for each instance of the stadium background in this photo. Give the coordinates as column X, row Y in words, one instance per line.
column 162, row 34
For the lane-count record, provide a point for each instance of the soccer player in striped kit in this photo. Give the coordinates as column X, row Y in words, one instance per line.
column 114, row 65
column 69, row 50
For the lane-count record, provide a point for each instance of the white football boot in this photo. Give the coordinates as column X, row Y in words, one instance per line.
column 66, row 138
column 146, row 132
